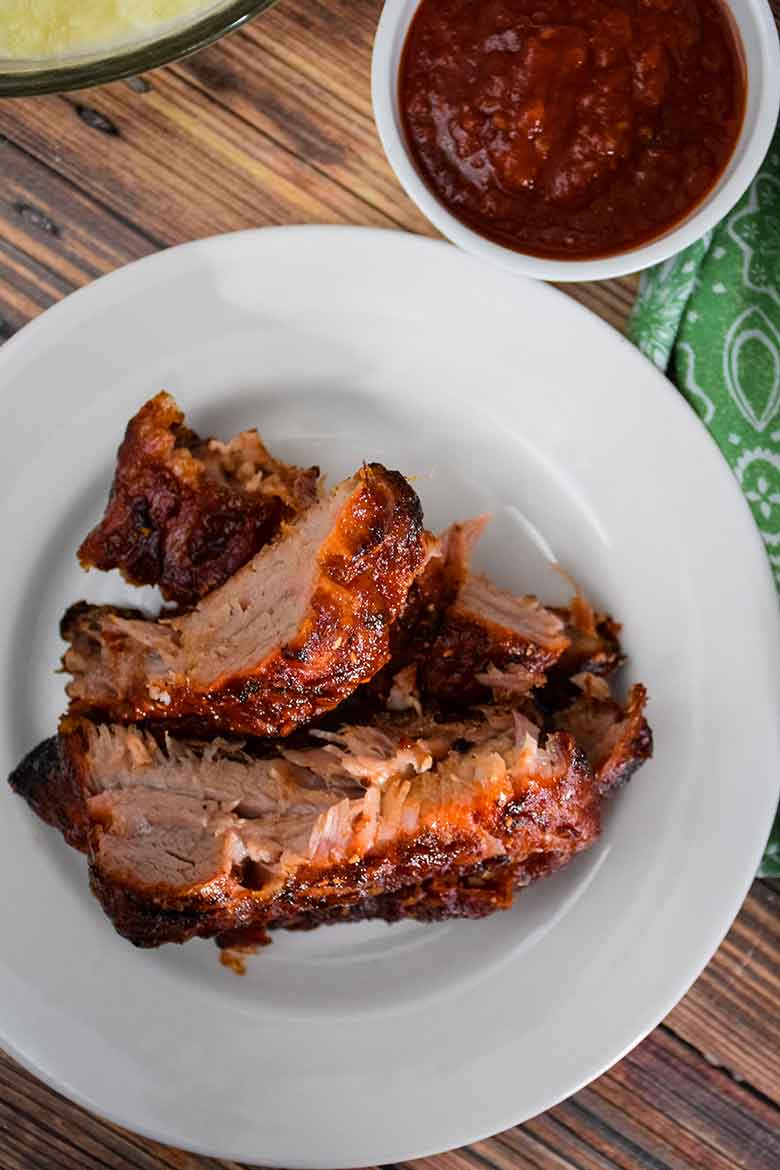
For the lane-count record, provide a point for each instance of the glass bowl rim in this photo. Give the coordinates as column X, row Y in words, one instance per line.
column 113, row 65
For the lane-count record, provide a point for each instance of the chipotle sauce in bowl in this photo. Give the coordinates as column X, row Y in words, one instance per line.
column 571, row 129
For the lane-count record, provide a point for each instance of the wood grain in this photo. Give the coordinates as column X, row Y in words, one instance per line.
column 274, row 126
column 732, row 1014
column 53, row 238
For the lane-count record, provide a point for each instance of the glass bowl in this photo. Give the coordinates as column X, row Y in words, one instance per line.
column 24, row 78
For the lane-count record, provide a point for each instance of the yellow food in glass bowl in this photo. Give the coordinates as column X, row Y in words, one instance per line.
column 50, row 29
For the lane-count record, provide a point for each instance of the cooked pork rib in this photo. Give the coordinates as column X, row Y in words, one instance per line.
column 459, row 634
column 188, row 840
column 99, row 784
column 53, row 791
column 594, row 640
column 437, row 586
column 285, row 639
column 617, row 740
column 457, row 893
column 47, row 785
column 186, row 513
column 486, row 629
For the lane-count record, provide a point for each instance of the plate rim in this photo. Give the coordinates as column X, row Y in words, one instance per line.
column 27, row 336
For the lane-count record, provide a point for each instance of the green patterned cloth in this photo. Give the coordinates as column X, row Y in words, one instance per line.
column 710, row 317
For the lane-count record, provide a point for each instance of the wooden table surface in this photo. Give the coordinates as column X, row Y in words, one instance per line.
column 274, row 126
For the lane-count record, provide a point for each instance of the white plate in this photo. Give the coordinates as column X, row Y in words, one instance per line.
column 364, row 1044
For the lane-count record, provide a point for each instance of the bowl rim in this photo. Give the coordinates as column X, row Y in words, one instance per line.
column 762, row 69
column 114, row 64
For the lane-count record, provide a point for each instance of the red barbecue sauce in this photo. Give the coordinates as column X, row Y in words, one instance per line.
column 571, row 128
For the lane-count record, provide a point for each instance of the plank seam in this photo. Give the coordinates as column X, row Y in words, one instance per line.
column 323, row 174
column 642, row 1159
column 740, row 1082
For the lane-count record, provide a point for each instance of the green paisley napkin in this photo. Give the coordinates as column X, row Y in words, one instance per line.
column 710, row 317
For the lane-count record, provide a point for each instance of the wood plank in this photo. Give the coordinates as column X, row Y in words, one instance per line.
column 53, row 239
column 732, row 1013
column 305, row 116
column 662, row 1108
column 325, row 40
column 174, row 165
column 687, row 1109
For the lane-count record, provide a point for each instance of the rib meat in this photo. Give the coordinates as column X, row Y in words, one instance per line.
column 488, row 628
column 190, row 840
column 184, row 513
column 594, row 641
column 289, row 636
column 617, row 740
column 53, row 791
column 460, row 636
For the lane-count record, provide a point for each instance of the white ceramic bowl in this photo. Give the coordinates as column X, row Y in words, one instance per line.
column 762, row 58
